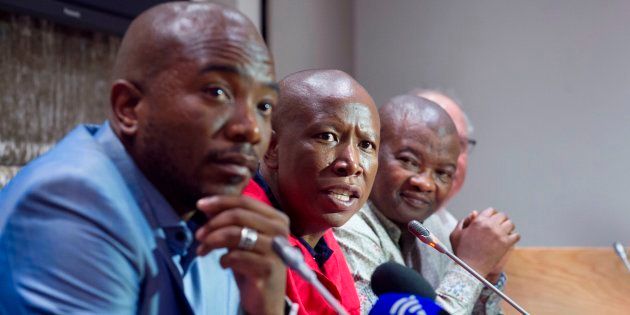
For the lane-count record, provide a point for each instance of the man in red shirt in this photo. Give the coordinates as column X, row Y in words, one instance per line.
column 319, row 170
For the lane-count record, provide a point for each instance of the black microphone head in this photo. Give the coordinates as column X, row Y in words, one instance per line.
column 392, row 277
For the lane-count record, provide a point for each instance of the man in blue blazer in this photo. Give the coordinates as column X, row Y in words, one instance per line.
column 143, row 214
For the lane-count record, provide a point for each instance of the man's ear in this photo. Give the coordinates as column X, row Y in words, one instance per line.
column 271, row 157
column 125, row 98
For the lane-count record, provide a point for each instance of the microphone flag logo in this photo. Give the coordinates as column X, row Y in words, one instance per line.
column 404, row 304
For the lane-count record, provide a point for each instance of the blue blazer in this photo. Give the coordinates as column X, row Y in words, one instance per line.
column 77, row 235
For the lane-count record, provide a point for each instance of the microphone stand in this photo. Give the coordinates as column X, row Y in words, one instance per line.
column 425, row 236
column 485, row 282
column 621, row 252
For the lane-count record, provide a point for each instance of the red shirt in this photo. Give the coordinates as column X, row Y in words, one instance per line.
column 333, row 274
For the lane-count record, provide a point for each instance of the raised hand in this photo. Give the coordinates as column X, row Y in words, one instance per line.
column 483, row 240
column 246, row 228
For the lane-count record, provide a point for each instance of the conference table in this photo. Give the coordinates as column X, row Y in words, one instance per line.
column 568, row 280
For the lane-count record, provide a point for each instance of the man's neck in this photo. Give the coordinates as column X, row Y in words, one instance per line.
column 312, row 239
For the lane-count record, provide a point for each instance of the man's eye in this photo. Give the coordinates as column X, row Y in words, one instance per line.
column 444, row 176
column 407, row 161
column 265, row 107
column 367, row 145
column 327, row 136
column 216, row 92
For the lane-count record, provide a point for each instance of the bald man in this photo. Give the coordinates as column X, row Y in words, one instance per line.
column 114, row 219
column 319, row 170
column 417, row 163
column 445, row 226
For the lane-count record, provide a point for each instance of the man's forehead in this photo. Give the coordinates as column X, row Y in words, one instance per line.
column 265, row 78
column 239, row 56
column 424, row 143
column 342, row 109
column 331, row 115
column 412, row 130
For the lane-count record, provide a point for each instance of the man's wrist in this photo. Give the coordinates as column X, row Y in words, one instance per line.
column 499, row 284
column 494, row 277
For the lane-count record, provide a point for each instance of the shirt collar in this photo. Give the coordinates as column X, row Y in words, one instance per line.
column 321, row 252
column 392, row 229
column 260, row 180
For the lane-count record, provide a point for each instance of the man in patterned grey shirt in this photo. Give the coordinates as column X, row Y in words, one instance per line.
column 417, row 161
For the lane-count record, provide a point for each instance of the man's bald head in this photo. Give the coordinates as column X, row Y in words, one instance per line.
column 316, row 90
column 417, row 159
column 170, row 31
column 416, row 110
column 464, row 127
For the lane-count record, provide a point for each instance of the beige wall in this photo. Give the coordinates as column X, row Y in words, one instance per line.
column 547, row 84
column 307, row 34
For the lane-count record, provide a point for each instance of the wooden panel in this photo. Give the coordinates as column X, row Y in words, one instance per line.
column 52, row 77
column 568, row 281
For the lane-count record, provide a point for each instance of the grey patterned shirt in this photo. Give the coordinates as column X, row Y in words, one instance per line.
column 370, row 239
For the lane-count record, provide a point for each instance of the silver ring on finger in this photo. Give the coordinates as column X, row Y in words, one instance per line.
column 248, row 239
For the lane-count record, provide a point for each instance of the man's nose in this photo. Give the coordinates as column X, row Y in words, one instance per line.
column 423, row 181
column 347, row 161
column 243, row 126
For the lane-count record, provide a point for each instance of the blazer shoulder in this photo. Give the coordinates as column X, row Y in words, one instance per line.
column 76, row 180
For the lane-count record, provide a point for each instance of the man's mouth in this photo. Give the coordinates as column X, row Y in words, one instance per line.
column 341, row 195
column 345, row 196
column 416, row 199
column 244, row 162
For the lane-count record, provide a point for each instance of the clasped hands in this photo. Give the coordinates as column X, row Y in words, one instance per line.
column 484, row 240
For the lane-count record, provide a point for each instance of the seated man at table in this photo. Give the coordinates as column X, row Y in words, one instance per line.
column 104, row 222
column 433, row 265
column 319, row 170
column 417, row 161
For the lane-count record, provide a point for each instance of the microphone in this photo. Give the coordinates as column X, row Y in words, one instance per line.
column 292, row 258
column 403, row 304
column 621, row 252
column 402, row 290
column 392, row 277
column 423, row 234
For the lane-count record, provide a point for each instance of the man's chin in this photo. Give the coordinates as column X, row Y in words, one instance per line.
column 337, row 219
column 413, row 214
column 422, row 215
